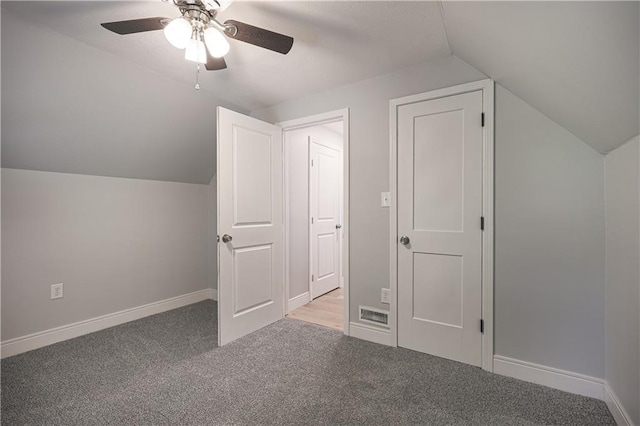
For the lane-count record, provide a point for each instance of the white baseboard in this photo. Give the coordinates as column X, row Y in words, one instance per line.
column 370, row 333
column 618, row 412
column 213, row 294
column 547, row 376
column 22, row 344
column 296, row 302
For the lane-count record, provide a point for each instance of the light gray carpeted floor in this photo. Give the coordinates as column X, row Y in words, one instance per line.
column 166, row 369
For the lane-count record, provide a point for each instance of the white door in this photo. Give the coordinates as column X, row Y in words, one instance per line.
column 250, row 226
column 324, row 197
column 439, row 214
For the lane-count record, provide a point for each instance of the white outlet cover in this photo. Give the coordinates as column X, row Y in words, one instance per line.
column 385, row 199
column 57, row 291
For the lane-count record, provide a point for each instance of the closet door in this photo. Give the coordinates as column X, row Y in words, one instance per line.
column 440, row 147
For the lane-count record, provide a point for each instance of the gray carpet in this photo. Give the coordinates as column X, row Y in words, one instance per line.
column 166, row 369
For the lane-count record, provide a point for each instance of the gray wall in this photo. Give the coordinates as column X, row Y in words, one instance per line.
column 549, row 216
column 622, row 371
column 114, row 243
column 368, row 103
column 297, row 168
column 549, row 242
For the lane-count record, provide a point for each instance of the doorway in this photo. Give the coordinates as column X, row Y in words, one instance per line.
column 316, row 231
column 253, row 288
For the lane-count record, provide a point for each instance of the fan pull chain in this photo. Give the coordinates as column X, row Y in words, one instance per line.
column 198, row 78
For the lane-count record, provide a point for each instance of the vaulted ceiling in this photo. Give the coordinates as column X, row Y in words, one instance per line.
column 335, row 42
column 577, row 62
column 66, row 80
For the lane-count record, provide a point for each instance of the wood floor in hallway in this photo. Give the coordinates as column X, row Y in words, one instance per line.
column 326, row 310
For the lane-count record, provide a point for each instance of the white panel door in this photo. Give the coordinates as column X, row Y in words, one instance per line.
column 324, row 200
column 439, row 216
column 250, row 250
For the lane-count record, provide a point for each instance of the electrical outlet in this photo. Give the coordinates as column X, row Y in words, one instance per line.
column 385, row 199
column 57, row 291
column 385, row 295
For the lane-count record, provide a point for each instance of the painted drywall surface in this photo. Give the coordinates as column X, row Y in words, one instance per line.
column 114, row 243
column 622, row 356
column 297, row 168
column 212, row 221
column 69, row 107
column 581, row 70
column 549, row 242
column 368, row 103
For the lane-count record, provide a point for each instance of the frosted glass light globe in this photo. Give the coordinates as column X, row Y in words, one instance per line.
column 216, row 42
column 196, row 51
column 178, row 32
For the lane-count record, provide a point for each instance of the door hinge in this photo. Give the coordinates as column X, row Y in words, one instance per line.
column 313, row 278
column 482, row 119
column 481, row 326
column 311, row 163
column 312, row 220
column 482, row 223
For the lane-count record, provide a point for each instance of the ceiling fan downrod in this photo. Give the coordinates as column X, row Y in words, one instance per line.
column 201, row 16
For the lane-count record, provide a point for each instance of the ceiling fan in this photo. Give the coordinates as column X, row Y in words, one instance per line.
column 201, row 35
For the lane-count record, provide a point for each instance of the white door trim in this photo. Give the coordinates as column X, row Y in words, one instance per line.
column 487, row 88
column 314, row 120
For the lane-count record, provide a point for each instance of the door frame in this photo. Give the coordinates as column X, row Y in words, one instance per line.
column 487, row 88
column 312, row 121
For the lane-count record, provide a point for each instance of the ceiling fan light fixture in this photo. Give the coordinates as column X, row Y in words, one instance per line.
column 178, row 33
column 216, row 42
column 196, row 51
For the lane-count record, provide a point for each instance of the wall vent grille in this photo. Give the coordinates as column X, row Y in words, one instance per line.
column 374, row 316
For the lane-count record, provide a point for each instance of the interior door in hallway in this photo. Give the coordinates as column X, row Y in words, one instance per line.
column 324, row 200
column 440, row 146
column 250, row 225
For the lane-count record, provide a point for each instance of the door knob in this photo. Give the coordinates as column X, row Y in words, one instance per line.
column 338, row 226
column 226, row 238
column 404, row 240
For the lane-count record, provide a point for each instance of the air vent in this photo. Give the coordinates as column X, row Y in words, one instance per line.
column 374, row 316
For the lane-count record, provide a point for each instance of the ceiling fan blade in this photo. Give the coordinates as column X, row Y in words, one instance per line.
column 136, row 25
column 214, row 64
column 260, row 37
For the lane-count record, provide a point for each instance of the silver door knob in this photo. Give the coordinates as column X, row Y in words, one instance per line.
column 226, row 238
column 338, row 226
column 404, row 240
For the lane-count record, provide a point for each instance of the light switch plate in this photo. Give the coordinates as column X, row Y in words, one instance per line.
column 385, row 295
column 385, row 199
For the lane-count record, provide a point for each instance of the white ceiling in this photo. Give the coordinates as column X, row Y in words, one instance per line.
column 577, row 62
column 336, row 127
column 336, row 43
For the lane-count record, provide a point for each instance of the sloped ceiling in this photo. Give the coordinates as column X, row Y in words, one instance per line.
column 576, row 62
column 77, row 98
column 68, row 107
column 335, row 42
